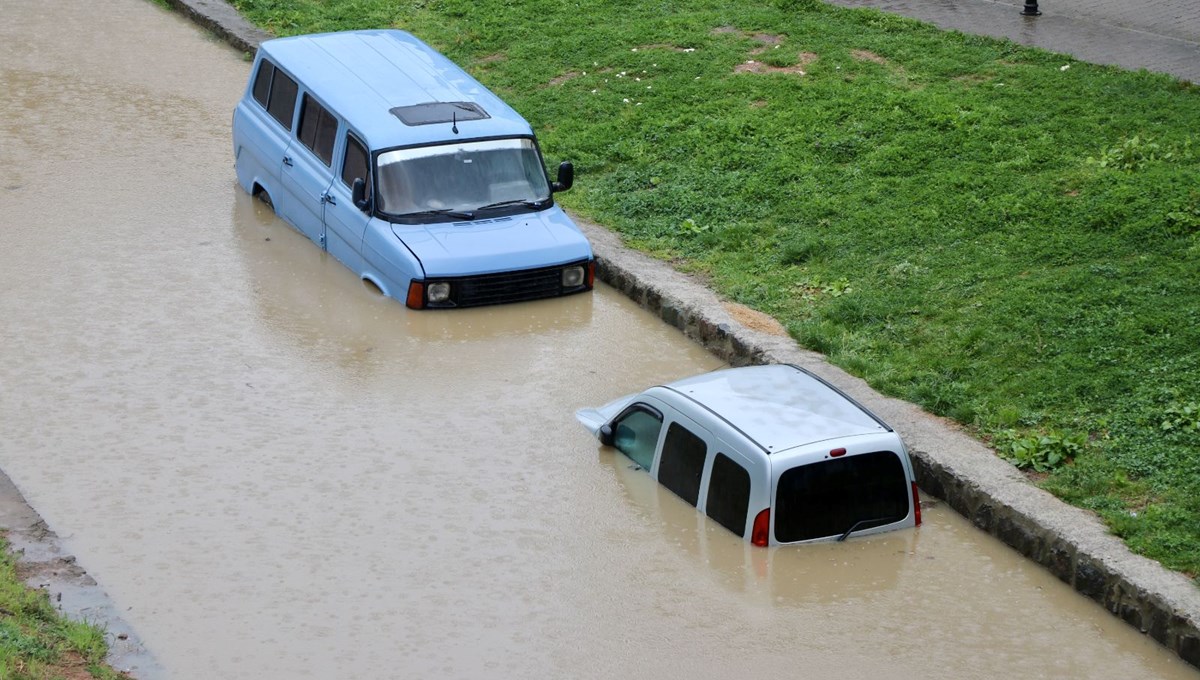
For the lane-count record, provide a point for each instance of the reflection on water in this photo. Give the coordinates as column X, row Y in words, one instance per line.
column 279, row 474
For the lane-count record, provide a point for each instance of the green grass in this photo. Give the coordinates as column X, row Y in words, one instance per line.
column 38, row 643
column 1002, row 235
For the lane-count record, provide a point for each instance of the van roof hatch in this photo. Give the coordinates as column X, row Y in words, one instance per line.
column 438, row 112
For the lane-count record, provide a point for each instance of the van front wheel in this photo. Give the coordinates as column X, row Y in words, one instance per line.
column 265, row 198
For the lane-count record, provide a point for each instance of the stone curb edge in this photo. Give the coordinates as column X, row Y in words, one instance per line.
column 1068, row 541
column 44, row 564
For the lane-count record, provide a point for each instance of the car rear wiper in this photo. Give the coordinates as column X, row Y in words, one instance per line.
column 528, row 203
column 457, row 214
column 859, row 523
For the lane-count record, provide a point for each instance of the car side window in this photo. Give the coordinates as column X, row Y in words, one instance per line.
column 728, row 494
column 635, row 434
column 682, row 462
column 281, row 101
column 355, row 164
column 318, row 129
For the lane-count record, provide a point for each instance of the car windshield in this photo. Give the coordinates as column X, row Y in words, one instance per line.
column 461, row 177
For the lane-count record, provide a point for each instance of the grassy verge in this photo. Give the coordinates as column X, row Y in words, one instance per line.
column 38, row 643
column 1002, row 235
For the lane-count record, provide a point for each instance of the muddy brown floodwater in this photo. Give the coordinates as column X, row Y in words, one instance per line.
column 277, row 474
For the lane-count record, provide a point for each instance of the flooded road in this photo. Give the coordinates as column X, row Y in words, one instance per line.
column 277, row 474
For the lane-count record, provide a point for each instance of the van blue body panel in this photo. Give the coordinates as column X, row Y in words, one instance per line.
column 358, row 78
column 485, row 246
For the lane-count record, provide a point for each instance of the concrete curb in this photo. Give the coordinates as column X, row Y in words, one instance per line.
column 1070, row 542
column 45, row 565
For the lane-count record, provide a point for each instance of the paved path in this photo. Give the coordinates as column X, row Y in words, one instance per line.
column 1157, row 35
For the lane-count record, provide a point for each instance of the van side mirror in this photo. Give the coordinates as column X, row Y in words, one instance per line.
column 566, row 177
column 358, row 194
column 606, row 435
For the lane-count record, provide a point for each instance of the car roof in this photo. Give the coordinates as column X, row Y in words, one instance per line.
column 362, row 75
column 779, row 406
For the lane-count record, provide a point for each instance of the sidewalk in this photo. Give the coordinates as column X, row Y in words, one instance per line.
column 1157, row 35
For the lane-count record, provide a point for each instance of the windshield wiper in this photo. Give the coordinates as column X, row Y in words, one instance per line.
column 457, row 214
column 859, row 523
column 528, row 203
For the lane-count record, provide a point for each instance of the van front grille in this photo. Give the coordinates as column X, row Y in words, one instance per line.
column 504, row 287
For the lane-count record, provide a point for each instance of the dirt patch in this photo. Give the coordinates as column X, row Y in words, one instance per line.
column 752, row 66
column 758, row 103
column 559, row 80
column 755, row 320
column 724, row 30
column 492, row 58
column 768, row 40
column 971, row 79
column 867, row 55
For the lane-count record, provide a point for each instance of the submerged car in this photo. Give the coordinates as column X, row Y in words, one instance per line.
column 407, row 170
column 773, row 453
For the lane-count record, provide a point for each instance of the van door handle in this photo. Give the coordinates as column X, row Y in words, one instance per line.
column 328, row 198
column 287, row 160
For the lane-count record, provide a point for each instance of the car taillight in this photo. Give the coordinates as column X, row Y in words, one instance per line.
column 916, row 503
column 760, row 534
column 416, row 295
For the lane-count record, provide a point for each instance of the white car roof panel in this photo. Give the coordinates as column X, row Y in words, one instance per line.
column 779, row 406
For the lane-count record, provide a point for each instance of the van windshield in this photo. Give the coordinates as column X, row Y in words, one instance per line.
column 827, row 498
column 461, row 177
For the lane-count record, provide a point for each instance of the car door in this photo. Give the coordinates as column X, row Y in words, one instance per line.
column 345, row 223
column 680, row 463
column 307, row 169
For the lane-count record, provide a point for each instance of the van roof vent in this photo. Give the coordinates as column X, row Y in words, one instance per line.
column 439, row 112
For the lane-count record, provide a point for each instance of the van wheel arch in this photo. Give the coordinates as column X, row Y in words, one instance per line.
column 261, row 194
column 374, row 286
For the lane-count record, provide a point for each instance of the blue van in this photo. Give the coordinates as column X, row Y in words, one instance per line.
column 407, row 170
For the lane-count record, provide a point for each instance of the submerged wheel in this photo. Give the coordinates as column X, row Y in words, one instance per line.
column 263, row 196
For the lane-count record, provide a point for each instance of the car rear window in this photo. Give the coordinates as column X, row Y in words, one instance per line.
column 827, row 498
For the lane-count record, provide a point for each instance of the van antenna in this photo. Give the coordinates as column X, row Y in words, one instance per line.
column 454, row 122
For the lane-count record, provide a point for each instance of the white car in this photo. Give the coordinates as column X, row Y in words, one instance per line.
column 773, row 453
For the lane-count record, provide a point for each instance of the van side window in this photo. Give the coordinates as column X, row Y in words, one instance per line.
column 636, row 434
column 262, row 82
column 282, row 100
column 355, row 164
column 318, row 129
column 682, row 462
column 728, row 494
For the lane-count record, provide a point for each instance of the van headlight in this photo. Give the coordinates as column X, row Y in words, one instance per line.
column 572, row 277
column 438, row 292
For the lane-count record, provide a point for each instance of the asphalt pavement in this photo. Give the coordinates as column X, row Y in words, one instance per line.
column 1156, row 35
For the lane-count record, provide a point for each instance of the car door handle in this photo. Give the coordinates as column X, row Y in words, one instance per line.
column 287, row 160
column 328, row 198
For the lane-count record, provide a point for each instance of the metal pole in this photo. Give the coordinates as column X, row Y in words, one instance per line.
column 1031, row 9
